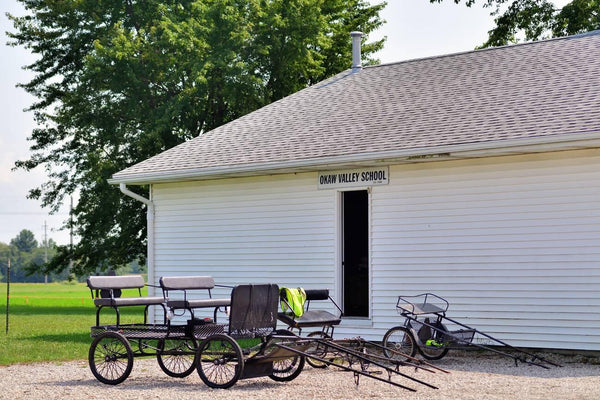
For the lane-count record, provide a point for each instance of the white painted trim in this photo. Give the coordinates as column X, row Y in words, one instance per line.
column 135, row 196
column 150, row 239
column 467, row 150
column 340, row 252
column 370, row 248
column 339, row 255
column 357, row 322
column 150, row 249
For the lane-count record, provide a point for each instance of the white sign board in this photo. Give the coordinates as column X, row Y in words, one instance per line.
column 353, row 178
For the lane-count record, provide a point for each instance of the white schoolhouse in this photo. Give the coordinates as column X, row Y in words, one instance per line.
column 475, row 176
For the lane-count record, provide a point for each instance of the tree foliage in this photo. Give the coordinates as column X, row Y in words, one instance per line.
column 24, row 241
column 118, row 81
column 27, row 259
column 537, row 19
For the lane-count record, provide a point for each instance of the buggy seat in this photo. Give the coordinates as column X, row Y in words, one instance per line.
column 107, row 292
column 186, row 284
column 253, row 310
column 312, row 318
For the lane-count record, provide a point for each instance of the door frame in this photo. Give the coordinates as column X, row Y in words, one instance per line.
column 339, row 252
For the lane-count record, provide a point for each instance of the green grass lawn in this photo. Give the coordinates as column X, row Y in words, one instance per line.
column 51, row 322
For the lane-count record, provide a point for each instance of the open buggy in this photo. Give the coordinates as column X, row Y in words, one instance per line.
column 210, row 348
column 249, row 345
column 425, row 331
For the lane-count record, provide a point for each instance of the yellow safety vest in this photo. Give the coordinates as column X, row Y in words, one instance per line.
column 295, row 297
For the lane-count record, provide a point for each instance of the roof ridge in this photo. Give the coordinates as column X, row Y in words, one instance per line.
column 534, row 42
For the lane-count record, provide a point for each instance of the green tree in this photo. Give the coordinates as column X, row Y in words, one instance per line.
column 537, row 19
column 34, row 265
column 27, row 263
column 4, row 254
column 300, row 43
column 24, row 241
column 120, row 81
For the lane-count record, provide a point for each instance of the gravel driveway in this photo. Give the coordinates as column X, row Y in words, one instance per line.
column 473, row 376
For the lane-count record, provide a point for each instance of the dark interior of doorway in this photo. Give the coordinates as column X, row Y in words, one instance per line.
column 355, row 222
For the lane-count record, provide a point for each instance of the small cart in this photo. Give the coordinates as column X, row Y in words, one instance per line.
column 424, row 330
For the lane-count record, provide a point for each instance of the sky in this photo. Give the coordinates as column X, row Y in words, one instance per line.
column 414, row 29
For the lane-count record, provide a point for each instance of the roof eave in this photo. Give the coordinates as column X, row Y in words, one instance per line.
column 424, row 154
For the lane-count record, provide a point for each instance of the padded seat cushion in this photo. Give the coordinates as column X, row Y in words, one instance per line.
column 310, row 318
column 198, row 303
column 186, row 282
column 115, row 282
column 129, row 301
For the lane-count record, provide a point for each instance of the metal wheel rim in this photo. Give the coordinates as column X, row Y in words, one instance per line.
column 219, row 361
column 399, row 340
column 177, row 358
column 111, row 358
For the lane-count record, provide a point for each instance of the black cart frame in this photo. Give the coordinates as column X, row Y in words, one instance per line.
column 213, row 349
column 424, row 330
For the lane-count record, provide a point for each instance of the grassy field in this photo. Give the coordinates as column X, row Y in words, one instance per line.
column 50, row 322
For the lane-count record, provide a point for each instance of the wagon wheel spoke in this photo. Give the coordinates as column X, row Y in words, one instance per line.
column 220, row 361
column 177, row 357
column 110, row 358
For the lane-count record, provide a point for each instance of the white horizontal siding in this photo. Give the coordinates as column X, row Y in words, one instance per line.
column 512, row 242
column 275, row 229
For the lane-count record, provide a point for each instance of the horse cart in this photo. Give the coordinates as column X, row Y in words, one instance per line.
column 424, row 330
column 210, row 348
column 248, row 345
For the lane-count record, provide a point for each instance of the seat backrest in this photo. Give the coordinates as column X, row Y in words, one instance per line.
column 187, row 282
column 253, row 310
column 115, row 282
column 110, row 286
column 317, row 294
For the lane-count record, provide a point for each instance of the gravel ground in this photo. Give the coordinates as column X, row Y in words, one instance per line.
column 472, row 376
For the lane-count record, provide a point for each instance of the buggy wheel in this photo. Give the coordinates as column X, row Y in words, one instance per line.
column 317, row 349
column 438, row 349
column 399, row 344
column 220, row 362
column 110, row 358
column 286, row 369
column 177, row 357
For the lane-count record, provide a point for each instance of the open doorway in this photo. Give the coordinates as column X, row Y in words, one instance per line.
column 355, row 253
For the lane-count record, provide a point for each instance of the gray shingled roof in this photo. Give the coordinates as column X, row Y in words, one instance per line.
column 545, row 90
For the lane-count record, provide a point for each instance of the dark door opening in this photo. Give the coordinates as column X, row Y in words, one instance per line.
column 355, row 253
